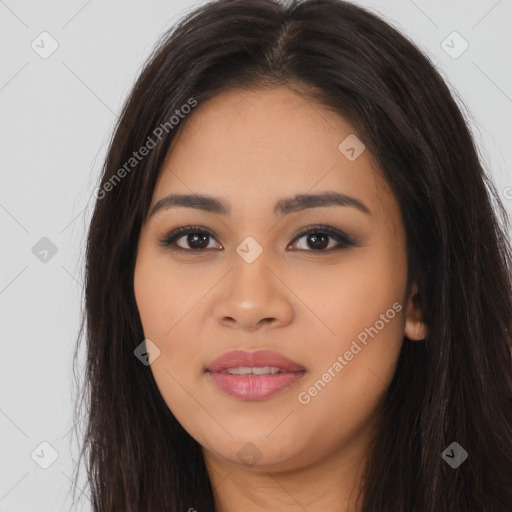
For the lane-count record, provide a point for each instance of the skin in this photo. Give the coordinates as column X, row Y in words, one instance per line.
column 252, row 148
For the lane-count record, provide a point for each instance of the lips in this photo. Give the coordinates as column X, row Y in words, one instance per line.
column 254, row 375
column 260, row 358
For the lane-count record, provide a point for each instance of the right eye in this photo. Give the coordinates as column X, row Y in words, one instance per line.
column 196, row 237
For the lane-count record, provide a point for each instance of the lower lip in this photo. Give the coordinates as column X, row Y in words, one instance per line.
column 255, row 388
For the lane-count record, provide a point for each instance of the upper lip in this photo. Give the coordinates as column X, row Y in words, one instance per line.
column 259, row 358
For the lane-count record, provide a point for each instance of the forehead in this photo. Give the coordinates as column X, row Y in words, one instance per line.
column 253, row 145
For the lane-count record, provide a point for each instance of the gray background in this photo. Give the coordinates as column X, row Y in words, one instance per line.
column 56, row 115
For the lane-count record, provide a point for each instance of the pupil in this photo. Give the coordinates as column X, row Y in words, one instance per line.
column 193, row 237
column 323, row 244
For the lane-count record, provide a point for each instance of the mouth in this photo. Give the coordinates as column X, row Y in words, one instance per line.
column 254, row 375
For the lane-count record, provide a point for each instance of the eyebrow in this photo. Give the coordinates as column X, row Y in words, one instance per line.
column 282, row 207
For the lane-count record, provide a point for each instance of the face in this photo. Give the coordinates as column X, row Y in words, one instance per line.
column 247, row 276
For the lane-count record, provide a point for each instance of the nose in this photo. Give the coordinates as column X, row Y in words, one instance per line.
column 253, row 297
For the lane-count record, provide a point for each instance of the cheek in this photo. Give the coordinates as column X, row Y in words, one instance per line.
column 346, row 388
column 163, row 295
column 352, row 296
column 366, row 315
column 163, row 304
column 168, row 300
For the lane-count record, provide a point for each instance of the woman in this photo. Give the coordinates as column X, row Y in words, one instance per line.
column 298, row 293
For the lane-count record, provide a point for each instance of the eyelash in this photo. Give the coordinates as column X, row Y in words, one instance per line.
column 169, row 241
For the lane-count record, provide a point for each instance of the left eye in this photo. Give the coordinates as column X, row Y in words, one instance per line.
column 317, row 239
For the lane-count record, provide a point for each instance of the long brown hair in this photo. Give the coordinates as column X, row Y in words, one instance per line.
column 455, row 386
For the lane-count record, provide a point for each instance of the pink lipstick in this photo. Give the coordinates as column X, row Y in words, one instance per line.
column 254, row 375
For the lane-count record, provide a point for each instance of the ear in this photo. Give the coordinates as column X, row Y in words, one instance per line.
column 415, row 327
